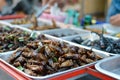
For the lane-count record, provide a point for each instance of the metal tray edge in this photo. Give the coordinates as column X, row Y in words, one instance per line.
column 97, row 66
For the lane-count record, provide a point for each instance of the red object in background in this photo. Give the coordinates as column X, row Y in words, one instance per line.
column 11, row 17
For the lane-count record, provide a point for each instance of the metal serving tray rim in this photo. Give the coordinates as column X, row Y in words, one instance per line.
column 15, row 26
column 53, row 30
column 44, row 21
column 97, row 66
column 47, row 76
column 57, row 73
column 4, row 53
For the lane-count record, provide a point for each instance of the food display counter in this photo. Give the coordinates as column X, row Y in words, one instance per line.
column 62, row 52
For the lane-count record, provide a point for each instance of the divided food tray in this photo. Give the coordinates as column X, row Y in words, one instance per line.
column 109, row 29
column 90, row 37
column 57, row 73
column 110, row 66
column 27, row 25
column 86, row 36
column 41, row 23
column 65, row 32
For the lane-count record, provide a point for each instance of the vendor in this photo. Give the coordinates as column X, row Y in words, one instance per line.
column 52, row 2
column 2, row 4
column 113, row 15
column 15, row 6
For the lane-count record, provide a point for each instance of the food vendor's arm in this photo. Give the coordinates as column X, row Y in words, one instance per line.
column 2, row 4
column 115, row 20
column 113, row 15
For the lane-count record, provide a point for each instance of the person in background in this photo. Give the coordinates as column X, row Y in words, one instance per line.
column 23, row 5
column 13, row 6
column 113, row 15
column 2, row 4
column 52, row 2
column 26, row 6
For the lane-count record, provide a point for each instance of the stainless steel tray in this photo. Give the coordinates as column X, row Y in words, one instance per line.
column 65, row 32
column 110, row 29
column 83, row 36
column 58, row 73
column 27, row 25
column 88, row 36
column 110, row 66
column 41, row 22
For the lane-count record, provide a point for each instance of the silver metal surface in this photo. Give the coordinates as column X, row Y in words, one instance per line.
column 41, row 23
column 22, row 25
column 88, row 36
column 5, row 76
column 4, row 55
column 28, row 25
column 65, row 32
column 110, row 66
column 110, row 29
column 83, row 36
column 58, row 73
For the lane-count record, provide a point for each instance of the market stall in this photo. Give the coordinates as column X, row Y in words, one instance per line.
column 40, row 46
column 62, row 34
